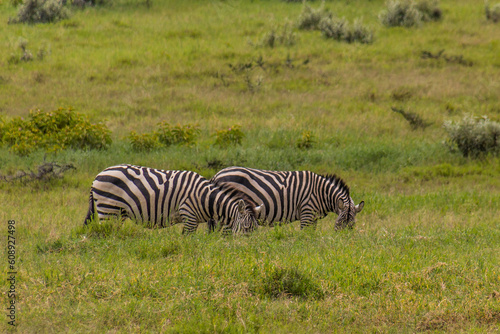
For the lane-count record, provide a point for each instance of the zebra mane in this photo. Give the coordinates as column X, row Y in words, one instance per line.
column 337, row 182
column 237, row 194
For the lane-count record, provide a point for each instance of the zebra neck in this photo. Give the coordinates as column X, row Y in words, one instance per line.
column 219, row 205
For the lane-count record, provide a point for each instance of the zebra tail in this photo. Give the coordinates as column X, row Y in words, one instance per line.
column 91, row 211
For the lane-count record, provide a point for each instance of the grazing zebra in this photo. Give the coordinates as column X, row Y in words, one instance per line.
column 159, row 197
column 290, row 196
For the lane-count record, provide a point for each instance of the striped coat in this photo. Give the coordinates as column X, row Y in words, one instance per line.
column 291, row 196
column 161, row 198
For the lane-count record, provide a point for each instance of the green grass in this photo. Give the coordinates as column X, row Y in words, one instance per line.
column 424, row 253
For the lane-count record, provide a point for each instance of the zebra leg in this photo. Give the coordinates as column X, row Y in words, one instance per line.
column 189, row 219
column 211, row 225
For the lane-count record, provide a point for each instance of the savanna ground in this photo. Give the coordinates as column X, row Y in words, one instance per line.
column 425, row 253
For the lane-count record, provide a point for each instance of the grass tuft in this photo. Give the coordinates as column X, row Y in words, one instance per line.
column 288, row 282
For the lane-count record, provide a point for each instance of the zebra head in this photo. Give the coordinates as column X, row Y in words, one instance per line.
column 245, row 219
column 347, row 214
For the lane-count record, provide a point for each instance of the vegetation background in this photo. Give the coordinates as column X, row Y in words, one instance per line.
column 425, row 253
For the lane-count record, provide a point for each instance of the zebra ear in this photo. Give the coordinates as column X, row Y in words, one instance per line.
column 241, row 206
column 341, row 205
column 360, row 206
column 258, row 208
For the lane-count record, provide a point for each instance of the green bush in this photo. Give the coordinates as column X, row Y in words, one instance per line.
column 53, row 131
column 16, row 3
column 310, row 18
column 401, row 14
column 144, row 142
column 41, row 11
column 333, row 28
column 284, row 36
column 430, row 10
column 473, row 136
column 165, row 135
column 178, row 134
column 231, row 136
column 284, row 282
column 340, row 30
column 493, row 13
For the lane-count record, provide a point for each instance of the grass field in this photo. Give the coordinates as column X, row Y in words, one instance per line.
column 425, row 252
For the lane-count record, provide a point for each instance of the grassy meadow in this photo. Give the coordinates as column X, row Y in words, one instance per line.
column 424, row 255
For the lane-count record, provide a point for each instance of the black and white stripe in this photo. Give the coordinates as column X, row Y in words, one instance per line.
column 291, row 196
column 161, row 198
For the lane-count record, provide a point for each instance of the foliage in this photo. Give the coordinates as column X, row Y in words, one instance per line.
column 177, row 134
column 279, row 36
column 332, row 27
column 231, row 136
column 288, row 282
column 54, row 131
column 310, row 18
column 16, row 3
column 401, row 13
column 165, row 135
column 144, row 142
column 474, row 136
column 340, row 30
column 493, row 12
column 430, row 10
column 41, row 11
column 416, row 122
column 306, row 141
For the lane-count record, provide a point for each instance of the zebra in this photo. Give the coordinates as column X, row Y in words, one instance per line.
column 294, row 195
column 161, row 198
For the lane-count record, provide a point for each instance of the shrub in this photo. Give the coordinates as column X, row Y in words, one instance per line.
column 178, row 134
column 144, row 142
column 339, row 29
column 165, row 135
column 474, row 136
column 16, row 3
column 284, row 37
column 231, row 136
column 404, row 13
column 286, row 282
column 493, row 13
column 53, row 131
column 335, row 29
column 306, row 141
column 360, row 33
column 310, row 18
column 41, row 11
column 430, row 10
